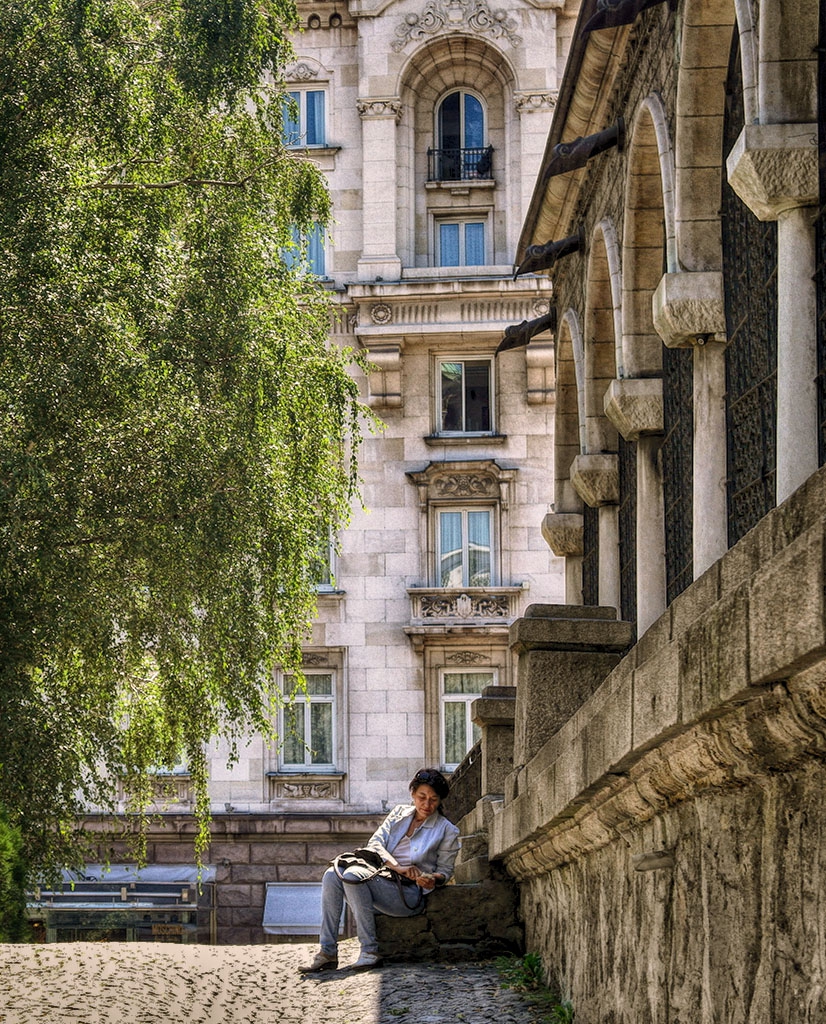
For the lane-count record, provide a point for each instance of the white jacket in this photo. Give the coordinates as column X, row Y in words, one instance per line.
column 433, row 847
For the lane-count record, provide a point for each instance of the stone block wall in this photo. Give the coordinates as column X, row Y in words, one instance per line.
column 460, row 922
column 248, row 851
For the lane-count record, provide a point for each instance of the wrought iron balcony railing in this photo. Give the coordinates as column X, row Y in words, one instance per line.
column 460, row 164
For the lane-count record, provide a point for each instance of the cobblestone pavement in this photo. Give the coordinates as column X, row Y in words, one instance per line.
column 159, row 983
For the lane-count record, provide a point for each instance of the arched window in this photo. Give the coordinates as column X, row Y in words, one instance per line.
column 460, row 153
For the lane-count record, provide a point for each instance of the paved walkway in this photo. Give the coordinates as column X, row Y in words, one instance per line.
column 159, row 983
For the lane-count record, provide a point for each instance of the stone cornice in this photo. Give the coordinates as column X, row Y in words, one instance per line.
column 773, row 168
column 752, row 740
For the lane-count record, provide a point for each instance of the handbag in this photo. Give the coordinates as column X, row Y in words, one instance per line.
column 359, row 866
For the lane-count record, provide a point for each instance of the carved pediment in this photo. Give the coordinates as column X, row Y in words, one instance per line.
column 456, row 15
column 463, row 481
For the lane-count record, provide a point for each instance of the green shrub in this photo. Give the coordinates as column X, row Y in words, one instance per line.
column 526, row 974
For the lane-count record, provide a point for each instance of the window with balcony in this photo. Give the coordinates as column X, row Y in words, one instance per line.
column 303, row 118
column 458, row 733
column 307, row 724
column 461, row 152
column 465, row 396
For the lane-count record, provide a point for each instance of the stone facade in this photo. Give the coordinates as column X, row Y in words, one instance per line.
column 663, row 817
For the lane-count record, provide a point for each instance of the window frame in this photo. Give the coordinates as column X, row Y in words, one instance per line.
column 302, row 92
column 463, row 358
column 493, row 520
column 472, row 731
column 308, row 700
column 308, row 251
column 462, row 220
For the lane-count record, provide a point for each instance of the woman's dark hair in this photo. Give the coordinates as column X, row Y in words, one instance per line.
column 433, row 778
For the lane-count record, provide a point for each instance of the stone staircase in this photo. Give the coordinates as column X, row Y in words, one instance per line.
column 476, row 916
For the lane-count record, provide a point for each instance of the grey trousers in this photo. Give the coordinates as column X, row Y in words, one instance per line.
column 378, row 896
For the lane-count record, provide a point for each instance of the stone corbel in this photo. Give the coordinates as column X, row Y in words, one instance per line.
column 539, row 359
column 595, row 478
column 635, row 406
column 385, row 377
column 773, row 168
column 563, row 533
column 689, row 310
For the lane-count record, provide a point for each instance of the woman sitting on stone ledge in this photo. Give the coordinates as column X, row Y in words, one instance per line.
column 415, row 843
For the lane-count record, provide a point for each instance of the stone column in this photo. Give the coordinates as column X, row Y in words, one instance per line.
column 564, row 652
column 379, row 259
column 689, row 312
column 635, row 407
column 773, row 169
column 595, row 478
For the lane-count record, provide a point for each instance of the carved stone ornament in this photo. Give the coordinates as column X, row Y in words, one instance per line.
column 315, row 659
column 529, row 102
column 465, row 606
column 386, row 107
column 303, row 71
column 449, row 15
column 381, row 313
column 471, row 485
column 465, row 658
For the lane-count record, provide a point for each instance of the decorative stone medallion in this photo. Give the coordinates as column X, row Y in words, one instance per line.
column 381, row 313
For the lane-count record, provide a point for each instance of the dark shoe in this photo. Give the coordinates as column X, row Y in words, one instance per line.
column 366, row 962
column 321, row 962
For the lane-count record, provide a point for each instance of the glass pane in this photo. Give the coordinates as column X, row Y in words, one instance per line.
column 321, row 732
column 474, row 245
column 467, row 682
column 315, row 118
column 448, row 245
column 315, row 253
column 319, row 683
column 451, row 374
column 456, row 745
column 449, row 126
column 477, row 395
column 474, row 123
column 479, row 560
column 450, row 549
column 294, row 750
column 291, row 131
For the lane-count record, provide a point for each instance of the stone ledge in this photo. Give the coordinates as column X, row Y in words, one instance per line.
column 562, row 532
column 460, row 922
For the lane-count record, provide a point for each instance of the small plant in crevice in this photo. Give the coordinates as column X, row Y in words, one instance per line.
column 526, row 975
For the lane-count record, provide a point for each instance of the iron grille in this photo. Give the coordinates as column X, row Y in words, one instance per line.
column 627, row 460
column 678, row 467
column 590, row 555
column 460, row 164
column 750, row 286
column 820, row 236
